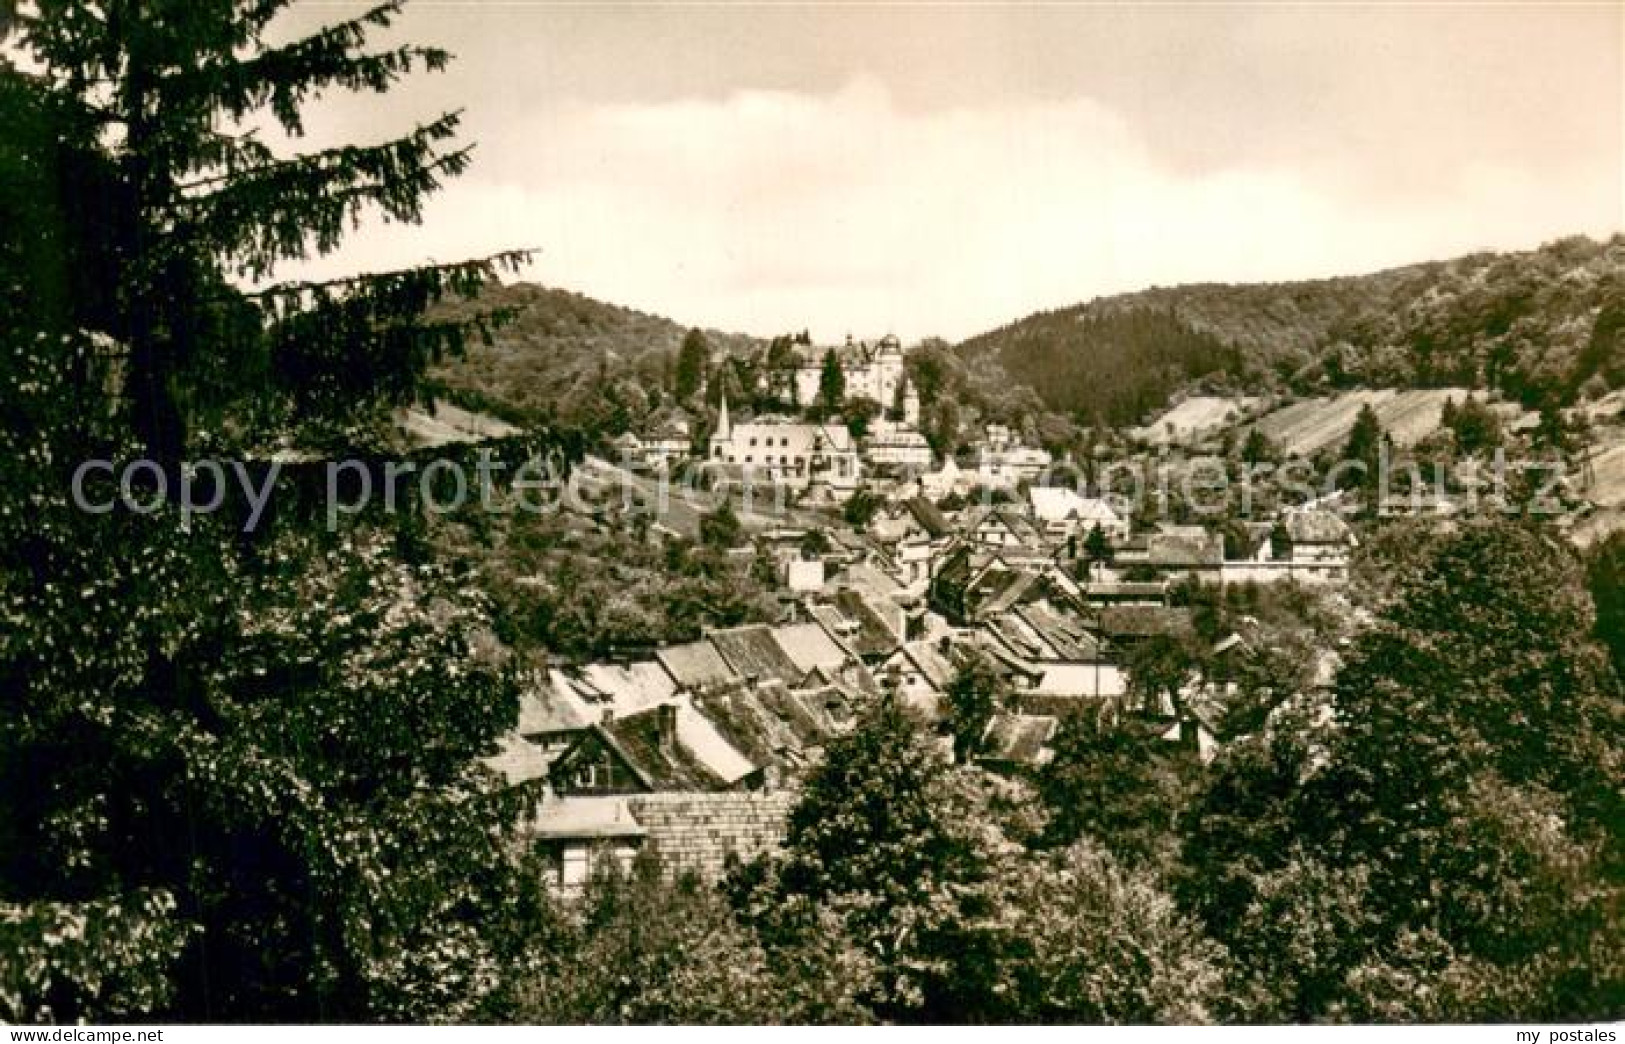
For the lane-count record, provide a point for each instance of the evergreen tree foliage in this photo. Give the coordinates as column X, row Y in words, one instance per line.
column 692, row 360
column 831, row 386
column 242, row 770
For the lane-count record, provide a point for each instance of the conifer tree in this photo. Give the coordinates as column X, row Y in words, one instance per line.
column 173, row 98
column 242, row 773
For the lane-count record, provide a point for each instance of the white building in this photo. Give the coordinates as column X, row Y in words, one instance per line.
column 1003, row 460
column 1065, row 512
column 897, row 447
column 785, row 452
column 870, row 371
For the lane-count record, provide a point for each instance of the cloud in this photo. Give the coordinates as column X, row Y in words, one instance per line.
column 766, row 211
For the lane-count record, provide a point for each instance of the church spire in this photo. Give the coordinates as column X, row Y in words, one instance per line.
column 724, row 427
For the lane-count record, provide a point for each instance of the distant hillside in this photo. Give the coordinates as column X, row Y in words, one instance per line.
column 1537, row 325
column 560, row 352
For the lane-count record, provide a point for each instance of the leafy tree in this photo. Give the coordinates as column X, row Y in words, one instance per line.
column 860, row 508
column 1159, row 668
column 721, row 529
column 1607, row 579
column 857, row 413
column 1465, row 793
column 692, row 360
column 1114, row 782
column 647, row 947
column 1095, row 942
column 974, row 695
column 886, row 841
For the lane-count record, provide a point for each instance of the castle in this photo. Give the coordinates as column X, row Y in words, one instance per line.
column 871, row 371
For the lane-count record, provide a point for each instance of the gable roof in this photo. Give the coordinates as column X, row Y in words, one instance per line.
column 1143, row 621
column 1058, row 503
column 1019, row 739
column 551, row 705
column 810, row 648
column 873, row 636
column 1316, row 527
column 932, row 664
column 628, row 688
column 695, row 757
column 1065, row 634
column 695, row 665
column 769, row 723
column 753, row 654
column 930, row 517
column 1013, row 521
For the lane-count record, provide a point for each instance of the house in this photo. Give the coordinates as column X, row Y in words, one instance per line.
column 1070, row 662
column 695, row 666
column 917, row 533
column 1316, row 536
column 860, row 626
column 669, row 443
column 946, row 480
column 868, row 371
column 1065, row 513
column 1004, row 527
column 919, row 672
column 669, row 747
column 814, row 651
column 1003, row 462
column 1128, row 625
column 785, row 452
column 552, row 717
column 755, row 656
column 574, row 834
column 895, row 448
column 1016, row 742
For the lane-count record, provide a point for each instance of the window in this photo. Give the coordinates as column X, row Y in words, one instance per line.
column 753, row 441
column 785, row 441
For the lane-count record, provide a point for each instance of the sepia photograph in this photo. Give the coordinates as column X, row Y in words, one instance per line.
column 531, row 516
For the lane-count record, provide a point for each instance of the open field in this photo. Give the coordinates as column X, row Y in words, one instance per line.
column 1306, row 427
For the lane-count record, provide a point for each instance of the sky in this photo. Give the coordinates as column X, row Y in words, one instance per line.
column 937, row 169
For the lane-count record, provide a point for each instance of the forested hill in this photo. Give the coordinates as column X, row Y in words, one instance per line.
column 1538, row 325
column 561, row 349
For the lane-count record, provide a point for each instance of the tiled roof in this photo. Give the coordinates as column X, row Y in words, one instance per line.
column 874, row 636
column 753, row 654
column 930, row 517
column 1020, row 739
column 585, row 817
column 553, row 704
column 1315, row 527
column 810, row 648
column 1065, row 634
column 666, row 762
column 1143, row 621
column 695, row 665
